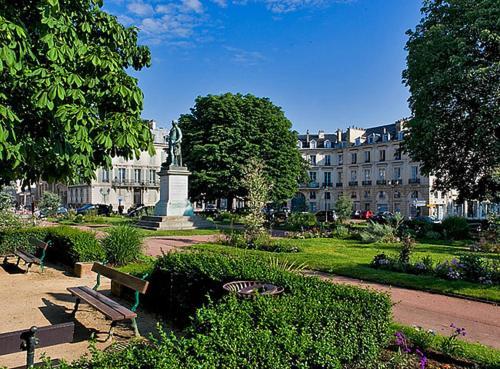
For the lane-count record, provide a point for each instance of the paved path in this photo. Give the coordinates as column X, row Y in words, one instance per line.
column 156, row 246
column 437, row 312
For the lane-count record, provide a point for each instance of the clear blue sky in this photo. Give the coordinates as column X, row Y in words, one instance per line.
column 328, row 63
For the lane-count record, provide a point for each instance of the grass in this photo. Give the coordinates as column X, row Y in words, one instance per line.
column 351, row 258
column 186, row 232
column 487, row 357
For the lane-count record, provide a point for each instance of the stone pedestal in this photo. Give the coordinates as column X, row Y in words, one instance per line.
column 174, row 210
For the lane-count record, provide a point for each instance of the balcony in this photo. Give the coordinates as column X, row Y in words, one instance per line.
column 338, row 184
column 353, row 183
column 128, row 183
column 327, row 184
column 366, row 183
column 414, row 181
column 381, row 182
column 311, row 184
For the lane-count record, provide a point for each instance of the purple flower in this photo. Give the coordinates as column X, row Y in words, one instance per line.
column 423, row 359
column 402, row 342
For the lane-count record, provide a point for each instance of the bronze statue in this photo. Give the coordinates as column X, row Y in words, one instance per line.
column 174, row 146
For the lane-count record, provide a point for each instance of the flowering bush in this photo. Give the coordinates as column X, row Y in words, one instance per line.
column 450, row 344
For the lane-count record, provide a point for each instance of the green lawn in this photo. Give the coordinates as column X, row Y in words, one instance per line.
column 351, row 258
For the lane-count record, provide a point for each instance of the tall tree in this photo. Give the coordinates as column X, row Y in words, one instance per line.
column 223, row 133
column 453, row 72
column 66, row 101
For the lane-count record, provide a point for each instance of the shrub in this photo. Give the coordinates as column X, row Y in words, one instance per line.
column 9, row 221
column 299, row 221
column 432, row 235
column 123, row 245
column 49, row 203
column 405, row 250
column 14, row 239
column 340, row 231
column 315, row 324
column 263, row 243
column 456, row 228
column 376, row 232
column 70, row 245
column 343, row 208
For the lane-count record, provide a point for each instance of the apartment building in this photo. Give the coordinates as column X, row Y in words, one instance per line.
column 129, row 181
column 369, row 167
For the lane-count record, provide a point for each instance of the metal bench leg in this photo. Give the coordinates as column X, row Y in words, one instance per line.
column 28, row 268
column 110, row 333
column 75, row 309
column 136, row 330
column 5, row 259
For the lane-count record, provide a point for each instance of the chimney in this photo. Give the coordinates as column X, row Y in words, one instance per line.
column 307, row 136
column 321, row 134
column 339, row 135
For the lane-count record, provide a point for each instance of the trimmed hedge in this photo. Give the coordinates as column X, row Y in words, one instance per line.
column 68, row 245
column 313, row 325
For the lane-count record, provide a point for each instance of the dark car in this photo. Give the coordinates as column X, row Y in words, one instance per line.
column 382, row 217
column 141, row 210
column 427, row 219
column 85, row 208
column 99, row 209
column 326, row 216
column 356, row 214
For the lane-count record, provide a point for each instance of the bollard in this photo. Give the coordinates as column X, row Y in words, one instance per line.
column 29, row 343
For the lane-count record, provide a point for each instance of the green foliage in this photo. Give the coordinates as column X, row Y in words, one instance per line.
column 49, row 203
column 223, row 132
column 377, row 232
column 453, row 74
column 258, row 188
column 314, row 324
column 66, row 102
column 14, row 239
column 341, row 231
column 6, row 198
column 456, row 228
column 263, row 243
column 123, row 245
column 405, row 250
column 71, row 245
column 299, row 221
column 343, row 208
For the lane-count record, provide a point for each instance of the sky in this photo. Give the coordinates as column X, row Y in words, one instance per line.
column 328, row 63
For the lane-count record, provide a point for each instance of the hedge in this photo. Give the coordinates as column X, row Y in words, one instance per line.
column 313, row 325
column 68, row 245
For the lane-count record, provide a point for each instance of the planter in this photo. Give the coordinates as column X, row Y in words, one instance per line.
column 82, row 269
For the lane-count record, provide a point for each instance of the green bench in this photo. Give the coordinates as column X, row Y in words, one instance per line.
column 110, row 308
column 28, row 258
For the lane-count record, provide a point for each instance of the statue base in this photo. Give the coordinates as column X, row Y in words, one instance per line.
column 174, row 210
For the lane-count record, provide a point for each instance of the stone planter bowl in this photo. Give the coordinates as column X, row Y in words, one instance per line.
column 249, row 289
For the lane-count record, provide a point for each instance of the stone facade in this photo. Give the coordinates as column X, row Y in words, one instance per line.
column 368, row 166
column 128, row 182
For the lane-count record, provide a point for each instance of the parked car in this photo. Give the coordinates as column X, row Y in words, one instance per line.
column 427, row 219
column 101, row 209
column 366, row 214
column 61, row 210
column 141, row 210
column 85, row 208
column 382, row 217
column 326, row 216
column 356, row 214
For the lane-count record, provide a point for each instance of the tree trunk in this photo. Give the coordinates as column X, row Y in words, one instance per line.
column 230, row 200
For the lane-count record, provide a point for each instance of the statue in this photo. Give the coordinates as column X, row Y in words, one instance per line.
column 174, row 146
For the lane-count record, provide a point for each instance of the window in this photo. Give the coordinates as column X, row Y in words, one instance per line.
column 367, row 156
column 328, row 144
column 367, row 174
column 386, row 137
column 105, row 175
column 137, row 175
column 397, row 154
column 299, row 144
column 366, row 194
column 122, row 174
column 312, row 159
column 370, row 139
column 312, row 195
column 381, row 195
column 401, row 135
column 397, row 173
column 354, row 175
column 152, row 175
column 327, row 178
column 340, row 159
column 312, row 144
column 414, row 195
column 397, row 194
column 327, row 196
column 414, row 172
column 339, row 177
column 381, row 173
column 312, row 176
column 353, row 195
column 328, row 160
column 382, row 155
column 357, row 141
column 312, row 207
column 354, row 158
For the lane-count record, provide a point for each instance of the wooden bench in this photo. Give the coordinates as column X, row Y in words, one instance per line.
column 28, row 258
column 111, row 309
column 28, row 340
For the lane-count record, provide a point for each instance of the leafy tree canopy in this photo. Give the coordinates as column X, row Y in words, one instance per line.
column 453, row 72
column 343, row 208
column 223, row 133
column 49, row 203
column 66, row 101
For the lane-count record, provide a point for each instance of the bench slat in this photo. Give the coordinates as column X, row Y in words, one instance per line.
column 105, row 305
column 124, row 279
column 27, row 257
column 47, row 336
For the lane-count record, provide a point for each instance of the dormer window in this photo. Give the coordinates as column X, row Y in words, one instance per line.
column 299, row 144
column 312, row 144
column 371, row 138
column 328, row 144
column 357, row 142
column 386, row 137
column 401, row 135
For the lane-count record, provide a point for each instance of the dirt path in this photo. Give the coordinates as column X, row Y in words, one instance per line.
column 437, row 312
column 155, row 246
column 41, row 300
